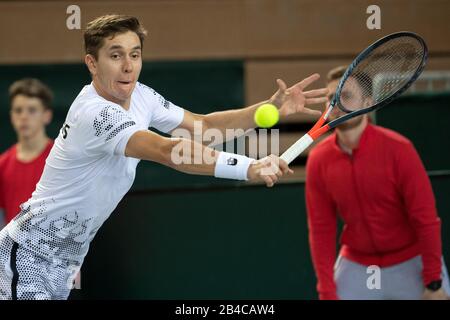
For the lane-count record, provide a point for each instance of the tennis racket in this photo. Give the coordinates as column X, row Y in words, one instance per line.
column 378, row 75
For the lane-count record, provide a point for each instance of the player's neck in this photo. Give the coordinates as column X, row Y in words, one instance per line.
column 348, row 139
column 102, row 93
column 30, row 147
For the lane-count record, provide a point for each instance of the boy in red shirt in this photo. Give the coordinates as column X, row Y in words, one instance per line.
column 22, row 164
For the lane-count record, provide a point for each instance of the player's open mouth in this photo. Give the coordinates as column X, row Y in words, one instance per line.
column 124, row 82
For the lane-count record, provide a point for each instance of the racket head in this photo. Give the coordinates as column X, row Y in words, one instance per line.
column 399, row 57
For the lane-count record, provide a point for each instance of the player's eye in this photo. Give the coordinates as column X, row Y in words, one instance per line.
column 135, row 55
column 346, row 95
column 115, row 56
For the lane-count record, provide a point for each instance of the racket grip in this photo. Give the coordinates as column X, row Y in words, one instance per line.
column 297, row 148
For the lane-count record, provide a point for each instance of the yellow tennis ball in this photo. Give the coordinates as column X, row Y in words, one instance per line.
column 266, row 115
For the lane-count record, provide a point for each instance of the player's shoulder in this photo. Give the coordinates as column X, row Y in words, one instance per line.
column 390, row 136
column 148, row 96
column 142, row 93
column 144, row 89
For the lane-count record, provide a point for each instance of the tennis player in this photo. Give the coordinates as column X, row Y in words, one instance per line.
column 93, row 162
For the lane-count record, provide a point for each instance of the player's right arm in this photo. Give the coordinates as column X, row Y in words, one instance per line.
column 194, row 158
column 105, row 128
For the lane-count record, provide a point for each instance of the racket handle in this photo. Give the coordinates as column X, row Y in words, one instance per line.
column 297, row 148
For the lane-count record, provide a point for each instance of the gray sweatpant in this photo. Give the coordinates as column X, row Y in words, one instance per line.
column 402, row 281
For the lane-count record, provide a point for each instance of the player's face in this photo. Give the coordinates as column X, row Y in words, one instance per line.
column 350, row 98
column 118, row 66
column 28, row 116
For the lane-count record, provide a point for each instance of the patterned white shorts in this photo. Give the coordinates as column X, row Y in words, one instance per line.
column 25, row 275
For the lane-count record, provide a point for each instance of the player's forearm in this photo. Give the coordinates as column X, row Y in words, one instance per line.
column 232, row 119
column 191, row 157
column 180, row 154
column 194, row 158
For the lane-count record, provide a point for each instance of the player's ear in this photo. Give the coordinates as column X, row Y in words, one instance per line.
column 91, row 63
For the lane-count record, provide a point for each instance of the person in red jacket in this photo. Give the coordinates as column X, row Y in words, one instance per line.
column 372, row 179
column 22, row 164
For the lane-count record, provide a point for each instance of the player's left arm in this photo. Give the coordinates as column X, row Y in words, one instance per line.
column 288, row 100
column 420, row 203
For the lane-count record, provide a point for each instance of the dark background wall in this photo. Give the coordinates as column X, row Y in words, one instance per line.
column 243, row 242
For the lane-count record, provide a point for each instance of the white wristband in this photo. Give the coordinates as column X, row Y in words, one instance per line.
column 232, row 166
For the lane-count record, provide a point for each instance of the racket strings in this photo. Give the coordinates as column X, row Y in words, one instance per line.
column 381, row 73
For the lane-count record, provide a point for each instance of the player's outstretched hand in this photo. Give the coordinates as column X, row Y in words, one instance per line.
column 268, row 170
column 296, row 99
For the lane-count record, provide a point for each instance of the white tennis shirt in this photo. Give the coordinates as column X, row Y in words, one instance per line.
column 86, row 173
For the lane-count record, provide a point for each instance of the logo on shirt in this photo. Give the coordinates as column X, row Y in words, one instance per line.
column 232, row 161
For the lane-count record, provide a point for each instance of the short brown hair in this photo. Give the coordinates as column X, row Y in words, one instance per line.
column 336, row 73
column 32, row 88
column 108, row 26
column 364, row 81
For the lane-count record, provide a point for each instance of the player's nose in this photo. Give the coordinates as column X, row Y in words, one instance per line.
column 127, row 65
